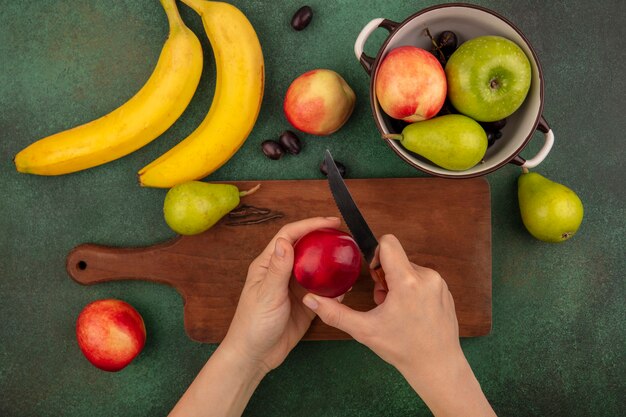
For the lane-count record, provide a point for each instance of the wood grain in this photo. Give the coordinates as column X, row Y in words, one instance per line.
column 443, row 224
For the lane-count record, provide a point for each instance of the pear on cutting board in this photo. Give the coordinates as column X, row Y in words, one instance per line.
column 550, row 211
column 195, row 206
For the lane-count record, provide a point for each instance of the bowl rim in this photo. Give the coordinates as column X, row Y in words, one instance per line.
column 514, row 156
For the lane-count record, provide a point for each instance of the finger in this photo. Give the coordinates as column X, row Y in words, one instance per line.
column 298, row 292
column 293, row 231
column 279, row 268
column 379, row 294
column 337, row 315
column 393, row 259
column 380, row 291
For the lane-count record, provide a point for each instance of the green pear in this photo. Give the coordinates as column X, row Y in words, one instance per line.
column 550, row 211
column 453, row 141
column 195, row 206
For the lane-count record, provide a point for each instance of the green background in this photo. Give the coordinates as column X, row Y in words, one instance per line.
column 558, row 340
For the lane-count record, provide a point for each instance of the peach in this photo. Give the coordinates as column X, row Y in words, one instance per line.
column 410, row 84
column 319, row 102
column 110, row 333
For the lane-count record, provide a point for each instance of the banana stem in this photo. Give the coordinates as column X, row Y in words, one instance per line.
column 392, row 136
column 250, row 191
column 173, row 17
column 196, row 5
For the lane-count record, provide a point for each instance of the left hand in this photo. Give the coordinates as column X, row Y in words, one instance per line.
column 270, row 318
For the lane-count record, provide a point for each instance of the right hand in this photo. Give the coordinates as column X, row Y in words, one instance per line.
column 414, row 327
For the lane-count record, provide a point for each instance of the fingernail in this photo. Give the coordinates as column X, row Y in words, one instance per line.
column 332, row 218
column 310, row 302
column 279, row 250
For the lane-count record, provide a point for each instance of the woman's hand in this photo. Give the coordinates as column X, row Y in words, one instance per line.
column 270, row 318
column 415, row 329
column 414, row 323
column 269, row 321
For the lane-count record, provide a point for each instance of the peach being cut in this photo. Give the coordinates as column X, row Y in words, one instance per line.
column 110, row 333
column 326, row 262
column 410, row 84
column 319, row 102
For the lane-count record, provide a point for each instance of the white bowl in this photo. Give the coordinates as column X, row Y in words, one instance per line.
column 467, row 21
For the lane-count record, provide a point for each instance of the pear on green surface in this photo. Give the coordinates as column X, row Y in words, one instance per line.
column 453, row 141
column 192, row 207
column 550, row 211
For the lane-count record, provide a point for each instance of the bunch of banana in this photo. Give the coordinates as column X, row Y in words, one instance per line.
column 236, row 103
column 233, row 113
column 137, row 122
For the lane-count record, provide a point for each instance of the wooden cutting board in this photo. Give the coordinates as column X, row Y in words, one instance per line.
column 443, row 224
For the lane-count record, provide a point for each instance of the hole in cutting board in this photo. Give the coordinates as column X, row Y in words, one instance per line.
column 82, row 265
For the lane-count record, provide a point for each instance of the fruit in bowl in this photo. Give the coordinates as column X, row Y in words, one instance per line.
column 453, row 141
column 488, row 78
column 459, row 22
column 327, row 262
column 410, row 84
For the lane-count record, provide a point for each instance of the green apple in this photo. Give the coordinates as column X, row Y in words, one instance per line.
column 488, row 78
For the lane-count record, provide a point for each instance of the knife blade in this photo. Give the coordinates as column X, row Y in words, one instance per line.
column 361, row 232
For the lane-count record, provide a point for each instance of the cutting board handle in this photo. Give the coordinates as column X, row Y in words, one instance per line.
column 92, row 264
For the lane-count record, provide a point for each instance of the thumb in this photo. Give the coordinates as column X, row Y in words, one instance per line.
column 280, row 266
column 337, row 315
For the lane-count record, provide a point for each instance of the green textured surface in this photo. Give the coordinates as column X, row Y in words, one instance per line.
column 558, row 341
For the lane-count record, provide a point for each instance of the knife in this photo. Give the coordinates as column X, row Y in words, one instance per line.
column 361, row 232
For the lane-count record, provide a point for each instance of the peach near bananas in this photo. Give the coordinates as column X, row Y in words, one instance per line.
column 319, row 102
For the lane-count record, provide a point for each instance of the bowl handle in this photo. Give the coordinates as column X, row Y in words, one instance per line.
column 543, row 152
column 366, row 60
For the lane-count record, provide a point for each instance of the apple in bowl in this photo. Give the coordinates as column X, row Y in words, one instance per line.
column 327, row 262
column 110, row 333
column 488, row 78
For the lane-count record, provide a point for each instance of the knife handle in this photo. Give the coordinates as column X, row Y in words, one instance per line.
column 379, row 276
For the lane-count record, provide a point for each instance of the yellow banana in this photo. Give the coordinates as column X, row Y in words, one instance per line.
column 236, row 103
column 137, row 122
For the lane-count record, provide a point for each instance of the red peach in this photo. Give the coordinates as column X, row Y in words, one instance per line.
column 110, row 333
column 319, row 102
column 326, row 262
column 411, row 84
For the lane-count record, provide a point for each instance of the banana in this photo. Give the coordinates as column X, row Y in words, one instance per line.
column 236, row 102
column 137, row 122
